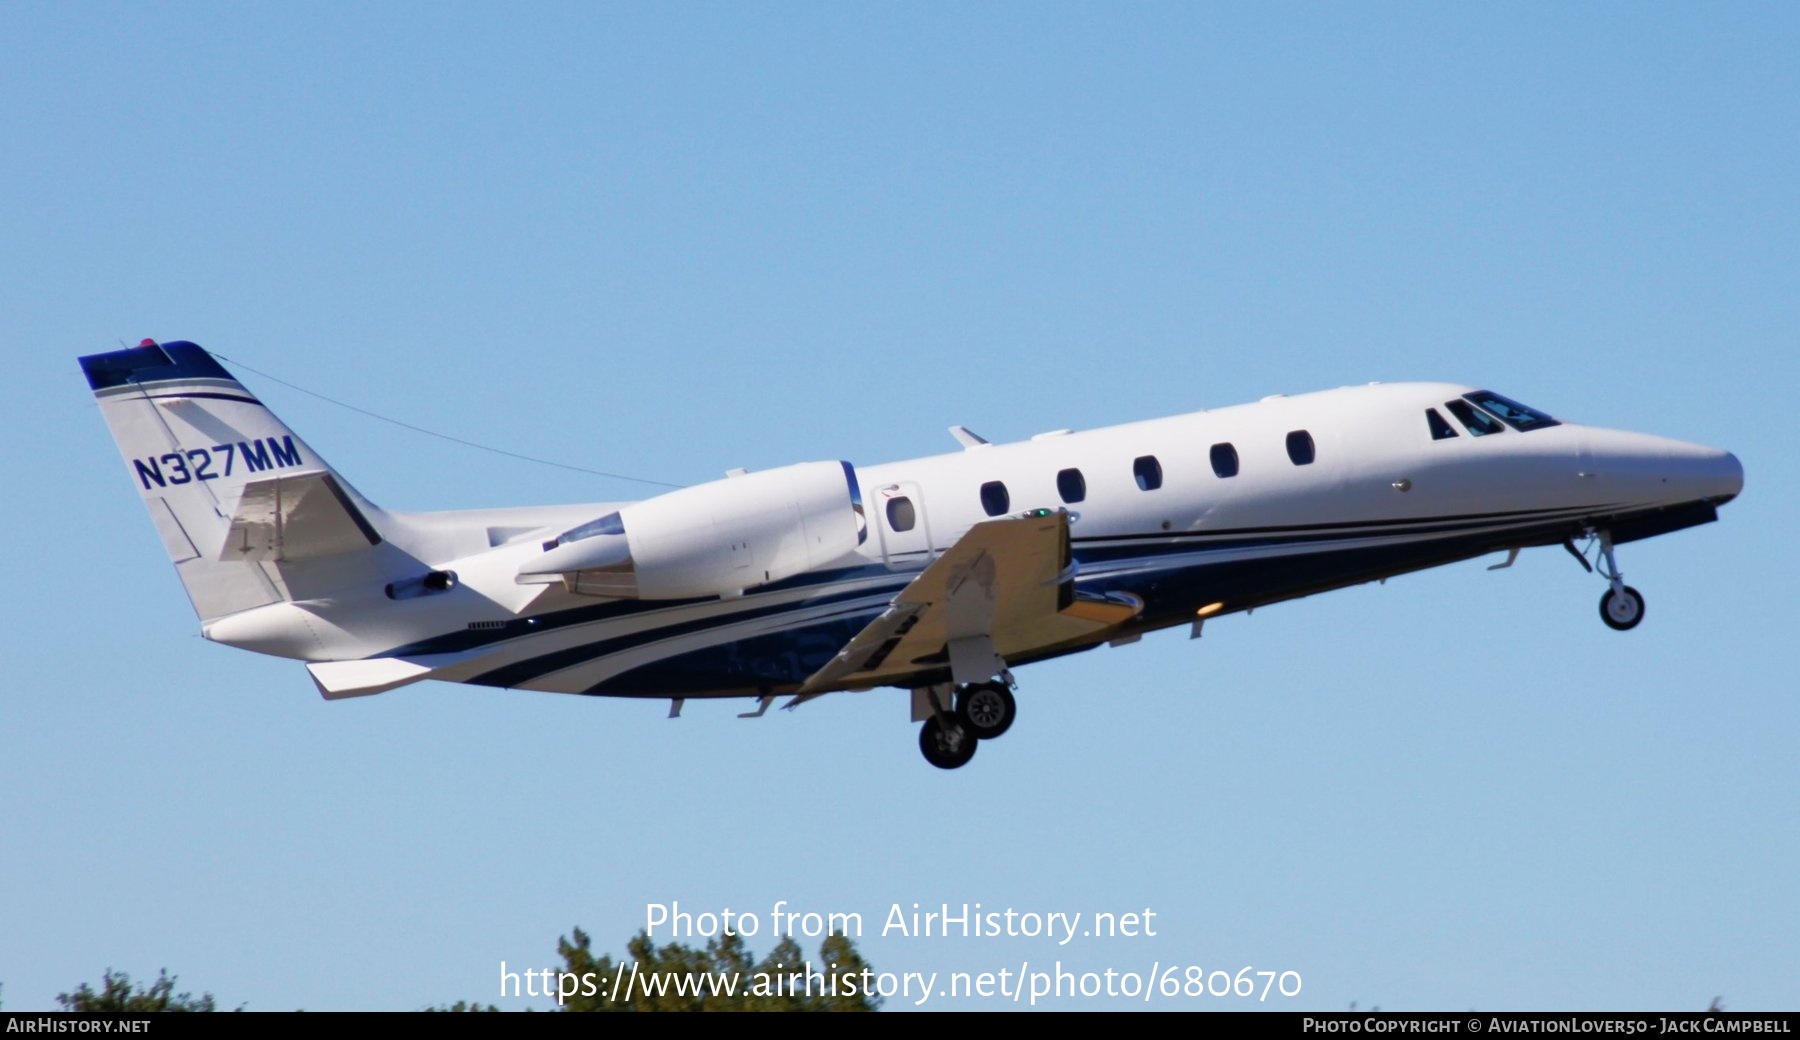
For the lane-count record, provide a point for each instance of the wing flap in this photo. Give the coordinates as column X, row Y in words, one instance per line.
column 1010, row 581
column 869, row 649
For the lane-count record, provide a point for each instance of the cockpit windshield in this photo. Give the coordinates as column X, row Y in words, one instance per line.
column 1512, row 413
column 1476, row 421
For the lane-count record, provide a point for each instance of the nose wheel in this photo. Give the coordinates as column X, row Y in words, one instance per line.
column 1622, row 609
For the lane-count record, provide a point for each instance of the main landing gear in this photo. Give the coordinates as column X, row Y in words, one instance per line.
column 1622, row 606
column 982, row 711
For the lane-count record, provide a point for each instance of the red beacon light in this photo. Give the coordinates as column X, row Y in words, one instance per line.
column 147, row 343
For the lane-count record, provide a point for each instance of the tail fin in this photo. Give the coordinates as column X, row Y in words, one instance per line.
column 235, row 495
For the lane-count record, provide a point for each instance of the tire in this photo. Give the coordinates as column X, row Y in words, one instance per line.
column 986, row 709
column 950, row 749
column 1622, row 612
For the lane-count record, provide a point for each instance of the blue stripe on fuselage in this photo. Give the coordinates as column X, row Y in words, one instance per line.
column 524, row 671
column 471, row 639
column 750, row 666
column 1085, row 553
column 1170, row 593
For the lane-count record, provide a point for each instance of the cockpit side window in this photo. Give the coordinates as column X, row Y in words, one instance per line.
column 1441, row 430
column 1512, row 413
column 1479, row 423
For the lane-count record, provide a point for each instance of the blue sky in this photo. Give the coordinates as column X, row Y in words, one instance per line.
column 666, row 240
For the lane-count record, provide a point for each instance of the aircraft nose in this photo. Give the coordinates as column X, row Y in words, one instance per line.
column 1725, row 472
column 1667, row 470
column 1702, row 472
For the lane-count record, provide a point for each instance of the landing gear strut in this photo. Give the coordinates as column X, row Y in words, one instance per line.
column 1622, row 606
column 982, row 711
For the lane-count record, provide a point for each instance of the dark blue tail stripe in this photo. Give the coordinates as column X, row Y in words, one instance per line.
column 177, row 360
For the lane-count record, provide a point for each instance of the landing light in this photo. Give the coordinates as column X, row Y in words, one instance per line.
column 1209, row 610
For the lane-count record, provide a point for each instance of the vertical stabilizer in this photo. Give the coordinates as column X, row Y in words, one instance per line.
column 233, row 492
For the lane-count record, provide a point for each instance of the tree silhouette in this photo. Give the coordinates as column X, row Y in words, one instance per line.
column 722, row 976
column 117, row 994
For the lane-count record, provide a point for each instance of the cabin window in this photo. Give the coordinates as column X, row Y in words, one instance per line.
column 994, row 498
column 901, row 514
column 1300, row 448
column 1479, row 423
column 1224, row 461
column 1511, row 412
column 1148, row 472
column 1441, row 430
column 1071, row 485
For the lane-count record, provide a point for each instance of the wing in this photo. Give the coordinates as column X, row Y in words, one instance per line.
column 1005, row 590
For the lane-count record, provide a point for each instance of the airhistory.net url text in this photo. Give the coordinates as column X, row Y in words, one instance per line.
column 627, row 983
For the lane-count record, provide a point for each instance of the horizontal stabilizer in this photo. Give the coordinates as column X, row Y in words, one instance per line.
column 337, row 680
column 296, row 518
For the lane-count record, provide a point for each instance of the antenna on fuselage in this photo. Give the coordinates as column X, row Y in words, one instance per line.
column 968, row 438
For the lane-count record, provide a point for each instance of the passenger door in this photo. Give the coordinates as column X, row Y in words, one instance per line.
column 905, row 529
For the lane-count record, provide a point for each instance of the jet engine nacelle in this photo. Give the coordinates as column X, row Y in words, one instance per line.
column 714, row 539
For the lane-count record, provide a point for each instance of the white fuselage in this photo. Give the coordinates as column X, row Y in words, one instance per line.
column 938, row 575
column 1152, row 519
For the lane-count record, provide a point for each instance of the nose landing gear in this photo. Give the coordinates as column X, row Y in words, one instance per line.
column 1622, row 606
column 1622, row 610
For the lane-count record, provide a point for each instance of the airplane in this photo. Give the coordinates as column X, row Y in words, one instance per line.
column 936, row 575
